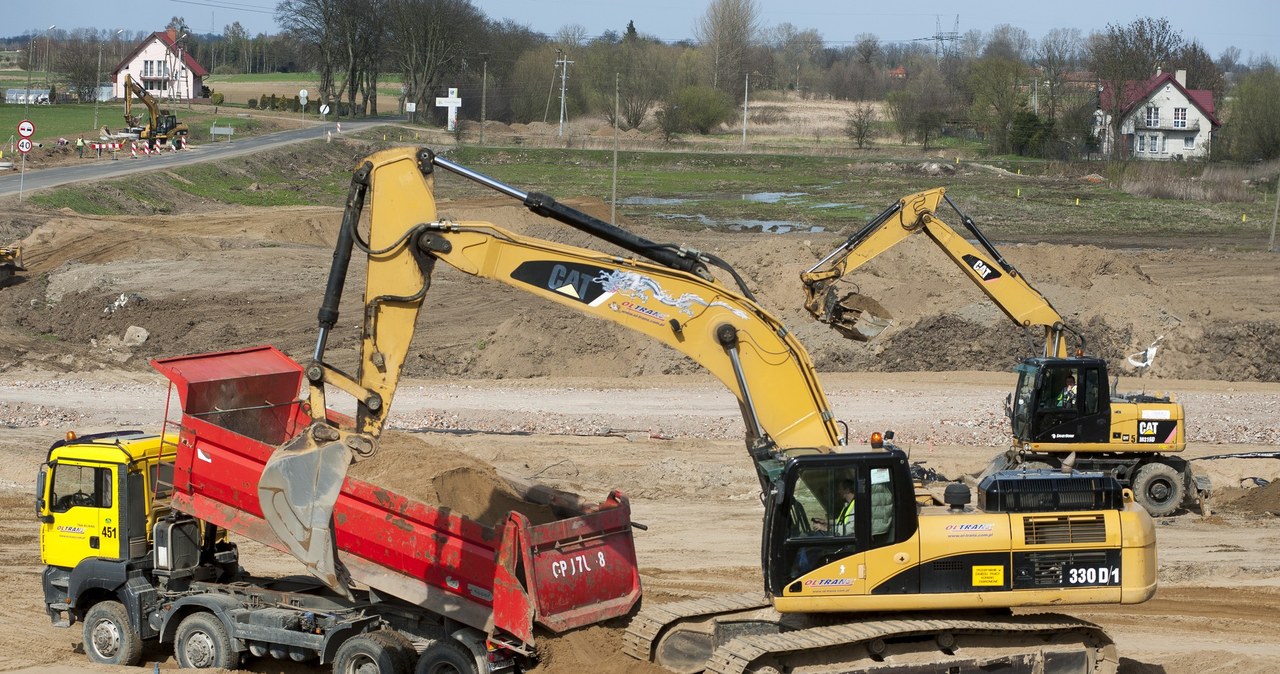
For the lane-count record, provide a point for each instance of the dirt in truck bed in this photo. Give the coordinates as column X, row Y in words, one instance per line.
column 511, row 385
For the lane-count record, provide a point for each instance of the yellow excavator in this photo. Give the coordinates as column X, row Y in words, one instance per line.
column 161, row 127
column 857, row 575
column 10, row 263
column 1063, row 409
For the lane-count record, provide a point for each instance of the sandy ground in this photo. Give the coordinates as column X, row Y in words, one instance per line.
column 491, row 381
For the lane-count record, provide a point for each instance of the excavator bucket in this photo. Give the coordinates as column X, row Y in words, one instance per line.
column 857, row 316
column 297, row 492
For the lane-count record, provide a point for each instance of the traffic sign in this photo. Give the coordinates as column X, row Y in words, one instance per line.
column 26, row 129
column 24, row 145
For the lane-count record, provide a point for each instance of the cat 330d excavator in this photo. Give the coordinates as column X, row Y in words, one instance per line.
column 1128, row 435
column 10, row 263
column 878, row 584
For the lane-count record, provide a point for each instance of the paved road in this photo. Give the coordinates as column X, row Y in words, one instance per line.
column 103, row 169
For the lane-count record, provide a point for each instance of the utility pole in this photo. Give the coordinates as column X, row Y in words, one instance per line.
column 564, row 63
column 746, row 91
column 613, row 202
column 484, row 92
column 1271, row 246
column 48, row 37
column 97, row 84
column 546, row 111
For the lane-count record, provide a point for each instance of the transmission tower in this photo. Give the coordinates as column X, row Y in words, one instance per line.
column 940, row 38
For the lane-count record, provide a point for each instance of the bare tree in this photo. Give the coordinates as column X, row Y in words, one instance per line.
column 1202, row 72
column 572, row 36
column 1229, row 59
column 859, row 124
column 726, row 32
column 315, row 24
column 1057, row 55
column 429, row 39
column 1009, row 43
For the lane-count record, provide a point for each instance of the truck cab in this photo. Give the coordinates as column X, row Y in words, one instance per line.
column 1061, row 400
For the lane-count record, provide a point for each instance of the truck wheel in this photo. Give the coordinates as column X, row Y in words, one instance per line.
column 108, row 636
column 1159, row 488
column 400, row 646
column 365, row 654
column 446, row 656
column 202, row 643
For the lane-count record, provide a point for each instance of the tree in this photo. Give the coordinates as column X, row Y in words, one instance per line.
column 429, row 39
column 859, row 124
column 1202, row 71
column 76, row 61
column 1057, row 54
column 315, row 24
column 1252, row 129
column 921, row 107
column 998, row 94
column 725, row 33
column 1008, row 42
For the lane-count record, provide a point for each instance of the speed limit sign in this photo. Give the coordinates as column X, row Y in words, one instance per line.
column 26, row 129
column 24, row 145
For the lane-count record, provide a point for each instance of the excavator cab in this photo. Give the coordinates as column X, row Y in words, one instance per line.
column 1061, row 400
column 831, row 509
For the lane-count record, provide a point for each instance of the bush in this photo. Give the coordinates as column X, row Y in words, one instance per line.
column 695, row 108
column 216, row 98
column 253, row 102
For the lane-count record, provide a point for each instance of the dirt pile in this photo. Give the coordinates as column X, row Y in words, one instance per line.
column 1259, row 501
column 242, row 277
column 427, row 471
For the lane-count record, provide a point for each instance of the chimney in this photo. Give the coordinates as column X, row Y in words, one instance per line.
column 1159, row 71
column 1181, row 76
column 173, row 35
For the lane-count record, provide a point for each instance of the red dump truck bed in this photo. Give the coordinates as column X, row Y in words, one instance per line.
column 237, row 406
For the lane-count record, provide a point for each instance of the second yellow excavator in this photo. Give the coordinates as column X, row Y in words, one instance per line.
column 857, row 576
column 162, row 126
column 1063, row 409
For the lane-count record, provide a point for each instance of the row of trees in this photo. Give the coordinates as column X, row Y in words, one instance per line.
column 1016, row 93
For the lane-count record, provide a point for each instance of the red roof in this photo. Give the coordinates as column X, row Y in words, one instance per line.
column 1134, row 93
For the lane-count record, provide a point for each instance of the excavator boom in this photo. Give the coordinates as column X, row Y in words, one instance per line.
column 862, row 318
column 675, row 301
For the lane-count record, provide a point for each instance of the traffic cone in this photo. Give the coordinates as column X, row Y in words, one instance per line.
column 133, row 149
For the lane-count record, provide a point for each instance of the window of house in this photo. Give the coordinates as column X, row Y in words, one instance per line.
column 1189, row 142
column 1153, row 116
column 1142, row 143
column 1179, row 118
column 1164, row 144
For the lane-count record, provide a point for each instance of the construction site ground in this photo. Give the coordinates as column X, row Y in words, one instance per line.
column 498, row 379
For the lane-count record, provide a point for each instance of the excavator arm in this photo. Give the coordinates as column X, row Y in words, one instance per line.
column 671, row 298
column 132, row 89
column 861, row 318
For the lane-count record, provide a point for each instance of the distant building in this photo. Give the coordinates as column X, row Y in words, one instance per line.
column 161, row 64
column 1160, row 119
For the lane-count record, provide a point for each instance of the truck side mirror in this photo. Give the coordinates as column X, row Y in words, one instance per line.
column 42, row 487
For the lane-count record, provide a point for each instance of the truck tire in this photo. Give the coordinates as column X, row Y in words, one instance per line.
column 202, row 643
column 446, row 656
column 366, row 654
column 400, row 646
column 1159, row 488
column 109, row 638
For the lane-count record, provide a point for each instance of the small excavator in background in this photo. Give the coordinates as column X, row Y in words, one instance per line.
column 10, row 263
column 1063, row 410
column 162, row 126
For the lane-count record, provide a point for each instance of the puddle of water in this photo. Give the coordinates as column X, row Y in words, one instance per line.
column 772, row 227
column 650, row 201
column 771, row 197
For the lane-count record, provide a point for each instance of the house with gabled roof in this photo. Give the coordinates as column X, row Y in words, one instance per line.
column 164, row 67
column 1160, row 119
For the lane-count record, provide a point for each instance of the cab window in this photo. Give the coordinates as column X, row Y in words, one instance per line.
column 80, row 486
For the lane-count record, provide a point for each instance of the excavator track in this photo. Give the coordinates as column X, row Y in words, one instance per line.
column 647, row 626
column 1049, row 643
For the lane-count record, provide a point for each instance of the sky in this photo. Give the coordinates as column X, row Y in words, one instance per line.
column 1253, row 26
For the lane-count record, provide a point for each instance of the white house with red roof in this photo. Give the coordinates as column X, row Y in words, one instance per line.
column 163, row 66
column 1161, row 119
